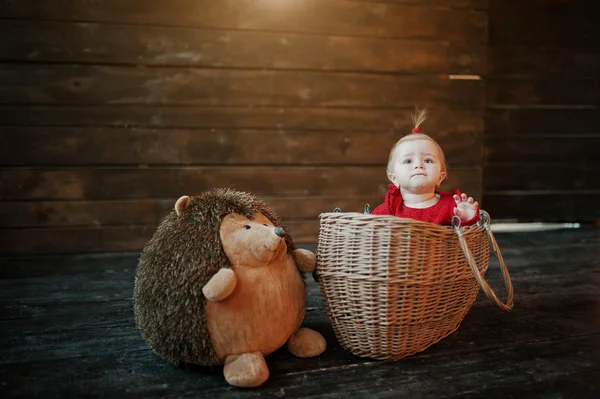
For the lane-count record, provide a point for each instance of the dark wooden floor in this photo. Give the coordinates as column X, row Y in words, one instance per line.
column 67, row 330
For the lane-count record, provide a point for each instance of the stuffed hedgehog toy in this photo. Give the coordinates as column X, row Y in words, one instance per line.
column 220, row 283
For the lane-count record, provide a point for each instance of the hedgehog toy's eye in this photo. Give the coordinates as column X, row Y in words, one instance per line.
column 246, row 227
column 264, row 224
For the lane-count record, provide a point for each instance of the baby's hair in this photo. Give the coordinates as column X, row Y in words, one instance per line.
column 418, row 117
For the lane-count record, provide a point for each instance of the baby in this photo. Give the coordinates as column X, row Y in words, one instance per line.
column 416, row 168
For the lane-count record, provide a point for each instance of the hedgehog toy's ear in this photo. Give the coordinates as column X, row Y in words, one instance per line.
column 182, row 203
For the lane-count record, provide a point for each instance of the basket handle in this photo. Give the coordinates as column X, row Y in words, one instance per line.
column 485, row 217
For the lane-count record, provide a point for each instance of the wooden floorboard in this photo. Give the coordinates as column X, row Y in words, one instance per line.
column 67, row 330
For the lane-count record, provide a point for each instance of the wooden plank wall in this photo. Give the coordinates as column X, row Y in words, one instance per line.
column 111, row 110
column 542, row 131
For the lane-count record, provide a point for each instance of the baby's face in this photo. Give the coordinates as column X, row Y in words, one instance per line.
column 417, row 167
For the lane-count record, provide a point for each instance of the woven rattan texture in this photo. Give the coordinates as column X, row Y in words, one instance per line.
column 393, row 287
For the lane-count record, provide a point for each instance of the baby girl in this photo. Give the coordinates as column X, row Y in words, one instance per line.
column 416, row 168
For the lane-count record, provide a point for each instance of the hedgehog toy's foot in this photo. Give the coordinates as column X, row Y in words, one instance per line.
column 306, row 343
column 246, row 371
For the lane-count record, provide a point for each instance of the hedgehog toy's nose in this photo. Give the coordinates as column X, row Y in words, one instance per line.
column 279, row 231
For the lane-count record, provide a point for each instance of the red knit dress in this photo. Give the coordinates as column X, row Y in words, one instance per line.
column 440, row 213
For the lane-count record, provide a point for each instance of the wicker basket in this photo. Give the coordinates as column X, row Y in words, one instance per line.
column 392, row 287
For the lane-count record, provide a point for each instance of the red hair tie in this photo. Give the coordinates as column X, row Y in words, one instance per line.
column 416, row 130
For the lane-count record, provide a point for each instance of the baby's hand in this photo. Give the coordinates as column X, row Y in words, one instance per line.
column 466, row 209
